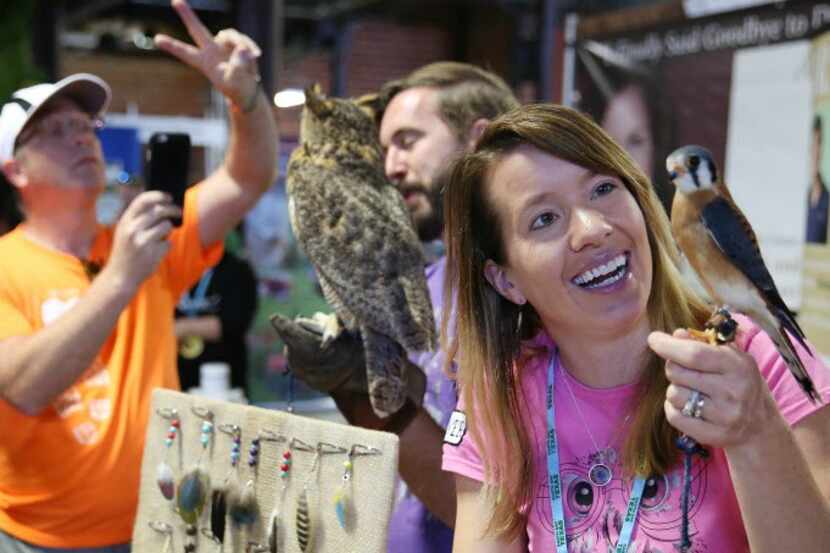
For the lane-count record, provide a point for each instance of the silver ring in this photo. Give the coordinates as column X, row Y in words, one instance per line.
column 690, row 407
column 698, row 411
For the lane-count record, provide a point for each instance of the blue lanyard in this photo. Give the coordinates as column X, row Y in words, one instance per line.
column 190, row 304
column 555, row 481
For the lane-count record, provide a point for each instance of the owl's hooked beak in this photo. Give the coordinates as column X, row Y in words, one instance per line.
column 315, row 101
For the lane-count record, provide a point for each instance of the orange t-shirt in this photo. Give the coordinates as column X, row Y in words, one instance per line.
column 69, row 477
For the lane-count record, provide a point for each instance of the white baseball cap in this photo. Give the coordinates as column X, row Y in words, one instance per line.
column 91, row 93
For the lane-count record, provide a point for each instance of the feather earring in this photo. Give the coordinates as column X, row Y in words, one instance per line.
column 194, row 487
column 305, row 518
column 221, row 496
column 285, row 470
column 218, row 511
column 304, row 523
column 164, row 473
column 243, row 507
column 191, row 494
column 343, row 503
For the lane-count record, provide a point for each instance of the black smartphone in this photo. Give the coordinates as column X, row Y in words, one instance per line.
column 168, row 165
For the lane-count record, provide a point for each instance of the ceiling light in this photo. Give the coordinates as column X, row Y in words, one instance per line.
column 289, row 98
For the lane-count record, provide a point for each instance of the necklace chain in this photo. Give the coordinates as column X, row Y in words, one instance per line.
column 582, row 417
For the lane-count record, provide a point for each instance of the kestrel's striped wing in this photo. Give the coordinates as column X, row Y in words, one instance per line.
column 733, row 235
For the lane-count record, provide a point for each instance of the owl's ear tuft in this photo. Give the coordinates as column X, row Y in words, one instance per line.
column 370, row 104
column 316, row 101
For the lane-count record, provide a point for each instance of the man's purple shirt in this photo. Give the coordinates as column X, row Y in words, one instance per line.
column 412, row 528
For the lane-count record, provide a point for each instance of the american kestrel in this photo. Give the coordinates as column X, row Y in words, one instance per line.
column 721, row 247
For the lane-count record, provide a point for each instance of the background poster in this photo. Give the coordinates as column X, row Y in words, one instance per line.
column 815, row 310
column 741, row 84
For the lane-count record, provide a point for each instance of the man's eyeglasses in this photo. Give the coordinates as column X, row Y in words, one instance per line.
column 55, row 129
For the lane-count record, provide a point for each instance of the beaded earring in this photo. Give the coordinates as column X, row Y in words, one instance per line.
column 285, row 470
column 343, row 503
column 164, row 473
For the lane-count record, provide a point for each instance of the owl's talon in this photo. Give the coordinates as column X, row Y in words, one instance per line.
column 331, row 328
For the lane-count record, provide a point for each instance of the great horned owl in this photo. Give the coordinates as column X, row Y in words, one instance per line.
column 355, row 228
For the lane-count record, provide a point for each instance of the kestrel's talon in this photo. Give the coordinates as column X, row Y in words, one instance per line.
column 723, row 325
column 709, row 335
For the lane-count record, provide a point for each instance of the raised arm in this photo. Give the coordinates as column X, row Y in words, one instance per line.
column 37, row 368
column 228, row 60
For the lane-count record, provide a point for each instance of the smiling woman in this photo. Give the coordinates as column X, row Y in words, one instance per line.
column 563, row 267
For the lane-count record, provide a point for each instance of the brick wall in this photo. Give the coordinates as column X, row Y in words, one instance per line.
column 380, row 50
column 156, row 84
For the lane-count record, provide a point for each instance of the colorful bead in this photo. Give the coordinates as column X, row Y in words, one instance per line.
column 285, row 466
column 172, row 431
column 207, row 430
column 253, row 453
column 235, row 450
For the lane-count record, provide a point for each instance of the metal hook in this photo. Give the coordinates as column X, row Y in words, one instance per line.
column 360, row 449
column 269, row 436
column 254, row 547
column 161, row 527
column 202, row 413
column 297, row 443
column 324, row 448
column 167, row 413
column 232, row 430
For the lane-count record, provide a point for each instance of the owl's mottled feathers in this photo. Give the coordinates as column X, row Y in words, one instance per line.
column 355, row 228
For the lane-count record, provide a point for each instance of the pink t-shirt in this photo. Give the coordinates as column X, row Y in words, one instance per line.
column 594, row 514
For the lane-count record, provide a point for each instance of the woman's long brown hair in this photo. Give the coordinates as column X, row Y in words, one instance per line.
column 490, row 330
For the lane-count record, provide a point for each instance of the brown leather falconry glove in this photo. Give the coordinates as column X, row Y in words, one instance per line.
column 340, row 366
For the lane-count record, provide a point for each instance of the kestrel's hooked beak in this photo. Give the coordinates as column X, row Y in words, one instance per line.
column 675, row 168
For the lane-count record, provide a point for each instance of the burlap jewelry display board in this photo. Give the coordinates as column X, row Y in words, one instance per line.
column 370, row 488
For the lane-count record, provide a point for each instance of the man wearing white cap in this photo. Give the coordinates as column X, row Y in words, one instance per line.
column 86, row 313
